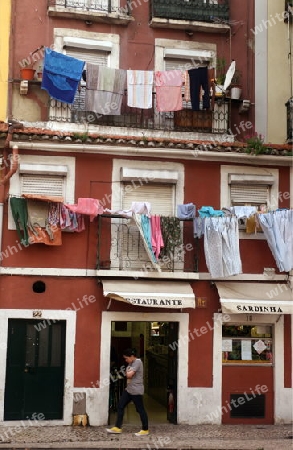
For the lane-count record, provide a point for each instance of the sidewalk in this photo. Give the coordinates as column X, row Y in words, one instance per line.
column 163, row 436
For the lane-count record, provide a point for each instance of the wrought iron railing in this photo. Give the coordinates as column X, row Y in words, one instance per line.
column 204, row 121
column 120, row 247
column 94, row 6
column 289, row 106
column 193, row 10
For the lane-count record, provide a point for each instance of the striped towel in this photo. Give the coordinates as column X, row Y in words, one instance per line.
column 104, row 89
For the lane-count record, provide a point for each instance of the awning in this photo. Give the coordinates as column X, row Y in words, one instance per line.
column 158, row 294
column 260, row 298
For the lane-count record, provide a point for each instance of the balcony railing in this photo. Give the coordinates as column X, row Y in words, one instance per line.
column 203, row 121
column 91, row 6
column 192, row 10
column 289, row 106
column 120, row 247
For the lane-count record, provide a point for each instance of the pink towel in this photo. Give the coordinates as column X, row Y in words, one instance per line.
column 168, row 90
column 157, row 238
column 88, row 206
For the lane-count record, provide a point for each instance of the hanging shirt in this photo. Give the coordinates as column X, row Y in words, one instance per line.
column 221, row 246
column 277, row 227
column 168, row 90
column 61, row 75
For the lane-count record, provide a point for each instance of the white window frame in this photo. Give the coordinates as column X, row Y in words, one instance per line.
column 202, row 51
column 89, row 40
column 248, row 171
column 44, row 165
column 110, row 43
column 195, row 52
column 160, row 171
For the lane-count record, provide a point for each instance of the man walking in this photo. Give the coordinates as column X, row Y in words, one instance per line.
column 133, row 392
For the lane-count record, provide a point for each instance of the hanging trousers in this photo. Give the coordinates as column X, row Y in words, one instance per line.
column 138, row 403
column 20, row 216
column 199, row 79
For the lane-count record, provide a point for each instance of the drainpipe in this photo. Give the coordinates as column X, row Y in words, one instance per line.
column 8, row 175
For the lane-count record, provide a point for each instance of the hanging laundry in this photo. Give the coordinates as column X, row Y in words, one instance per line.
column 209, row 211
column 221, row 246
column 198, row 227
column 145, row 235
column 37, row 213
column 39, row 229
column 139, row 88
column 50, row 235
column 156, row 235
column 61, row 75
column 168, row 90
column 243, row 212
column 186, row 211
column 277, row 227
column 199, row 80
column 105, row 87
column 172, row 235
column 20, row 217
column 54, row 213
column 136, row 207
column 186, row 86
column 88, row 206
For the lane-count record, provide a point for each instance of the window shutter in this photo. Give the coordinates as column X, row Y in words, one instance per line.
column 159, row 195
column 132, row 254
column 249, row 195
column 99, row 57
column 43, row 185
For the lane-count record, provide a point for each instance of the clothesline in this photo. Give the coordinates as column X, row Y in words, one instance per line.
column 106, row 86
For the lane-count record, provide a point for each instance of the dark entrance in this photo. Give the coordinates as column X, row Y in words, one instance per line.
column 35, row 370
column 156, row 344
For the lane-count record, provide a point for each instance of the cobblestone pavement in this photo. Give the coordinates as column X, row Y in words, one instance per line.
column 167, row 436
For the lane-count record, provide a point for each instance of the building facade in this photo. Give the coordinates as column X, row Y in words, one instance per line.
column 4, row 53
column 76, row 289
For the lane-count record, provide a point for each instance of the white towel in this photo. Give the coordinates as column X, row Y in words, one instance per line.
column 139, row 88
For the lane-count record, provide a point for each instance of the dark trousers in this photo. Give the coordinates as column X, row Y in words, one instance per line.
column 138, row 402
column 199, row 78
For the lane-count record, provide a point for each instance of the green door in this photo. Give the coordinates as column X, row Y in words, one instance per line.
column 34, row 370
column 172, row 342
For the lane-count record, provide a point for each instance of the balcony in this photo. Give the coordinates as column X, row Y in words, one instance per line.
column 186, row 120
column 289, row 106
column 288, row 16
column 197, row 15
column 103, row 11
column 120, row 247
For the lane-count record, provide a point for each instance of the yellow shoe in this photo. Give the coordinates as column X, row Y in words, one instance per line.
column 114, row 430
column 142, row 433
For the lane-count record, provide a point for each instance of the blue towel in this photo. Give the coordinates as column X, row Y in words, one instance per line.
column 61, row 75
column 209, row 211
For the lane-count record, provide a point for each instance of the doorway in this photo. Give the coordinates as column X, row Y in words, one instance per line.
column 151, row 341
column 34, row 384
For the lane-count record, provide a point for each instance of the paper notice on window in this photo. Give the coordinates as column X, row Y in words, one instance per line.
column 246, row 350
column 227, row 345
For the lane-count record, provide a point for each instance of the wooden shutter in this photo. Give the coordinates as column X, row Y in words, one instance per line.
column 43, row 185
